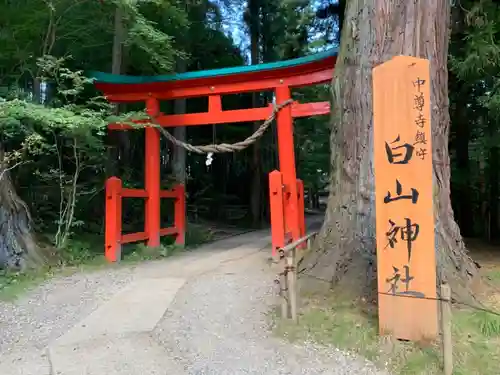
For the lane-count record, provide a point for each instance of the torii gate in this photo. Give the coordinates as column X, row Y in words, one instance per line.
column 286, row 192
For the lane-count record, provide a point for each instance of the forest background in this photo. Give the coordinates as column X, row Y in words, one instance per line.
column 56, row 153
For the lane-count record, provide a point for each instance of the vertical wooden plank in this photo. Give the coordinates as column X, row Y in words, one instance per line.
column 296, row 280
column 283, row 291
column 180, row 215
column 113, row 220
column 292, row 291
column 286, row 153
column 302, row 218
column 277, row 212
column 446, row 329
column 214, row 105
column 404, row 199
column 152, row 177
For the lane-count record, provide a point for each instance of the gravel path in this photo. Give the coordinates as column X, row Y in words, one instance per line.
column 51, row 309
column 217, row 324
column 29, row 324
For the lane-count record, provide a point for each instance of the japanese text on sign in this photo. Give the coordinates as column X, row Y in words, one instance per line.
column 403, row 195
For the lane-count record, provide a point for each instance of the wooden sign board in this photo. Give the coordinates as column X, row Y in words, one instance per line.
column 406, row 261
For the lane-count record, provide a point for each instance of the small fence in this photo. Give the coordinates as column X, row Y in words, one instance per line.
column 287, row 281
column 114, row 238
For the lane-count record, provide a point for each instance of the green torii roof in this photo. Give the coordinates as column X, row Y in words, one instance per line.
column 108, row 78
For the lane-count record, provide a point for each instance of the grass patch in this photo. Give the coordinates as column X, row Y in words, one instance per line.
column 141, row 252
column 137, row 252
column 352, row 326
column 476, row 339
column 197, row 235
column 493, row 276
column 13, row 284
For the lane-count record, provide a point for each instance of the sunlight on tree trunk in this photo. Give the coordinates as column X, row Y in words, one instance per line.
column 373, row 32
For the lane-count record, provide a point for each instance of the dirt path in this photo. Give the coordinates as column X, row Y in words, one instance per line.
column 215, row 321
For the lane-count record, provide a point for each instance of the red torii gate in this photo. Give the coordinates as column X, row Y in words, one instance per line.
column 286, row 192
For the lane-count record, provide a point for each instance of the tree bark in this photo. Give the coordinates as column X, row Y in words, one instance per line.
column 179, row 153
column 373, row 32
column 255, row 40
column 18, row 249
column 119, row 140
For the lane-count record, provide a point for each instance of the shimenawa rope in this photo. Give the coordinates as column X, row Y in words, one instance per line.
column 226, row 147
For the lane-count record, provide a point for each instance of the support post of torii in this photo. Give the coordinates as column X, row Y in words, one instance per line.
column 152, row 176
column 287, row 165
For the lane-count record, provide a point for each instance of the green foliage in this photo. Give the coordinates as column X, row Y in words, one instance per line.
column 42, row 136
column 474, row 64
column 38, row 28
column 53, row 123
column 311, row 142
column 149, row 36
column 13, row 284
column 298, row 19
column 482, row 53
column 351, row 325
column 197, row 235
column 78, row 251
column 488, row 323
column 143, row 252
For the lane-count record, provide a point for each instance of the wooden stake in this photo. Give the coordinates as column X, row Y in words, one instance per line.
column 296, row 259
column 446, row 329
column 292, row 291
column 283, row 294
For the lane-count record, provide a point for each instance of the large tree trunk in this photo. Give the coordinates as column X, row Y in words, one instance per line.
column 179, row 161
column 119, row 140
column 373, row 32
column 254, row 24
column 18, row 249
